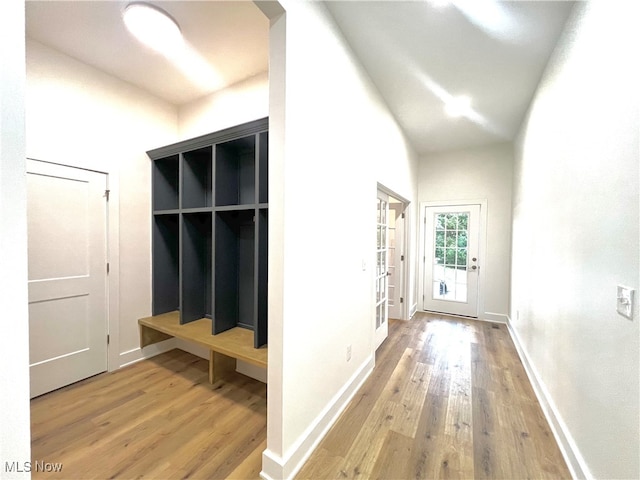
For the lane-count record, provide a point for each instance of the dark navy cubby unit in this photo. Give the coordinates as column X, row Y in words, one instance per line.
column 210, row 228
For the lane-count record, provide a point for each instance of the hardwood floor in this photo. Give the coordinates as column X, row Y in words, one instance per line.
column 448, row 398
column 159, row 418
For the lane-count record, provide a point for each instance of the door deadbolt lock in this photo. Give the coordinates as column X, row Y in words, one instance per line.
column 474, row 259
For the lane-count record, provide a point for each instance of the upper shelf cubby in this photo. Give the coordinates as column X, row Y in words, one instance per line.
column 236, row 172
column 166, row 176
column 196, row 178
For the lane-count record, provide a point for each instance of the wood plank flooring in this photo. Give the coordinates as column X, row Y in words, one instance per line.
column 157, row 419
column 449, row 398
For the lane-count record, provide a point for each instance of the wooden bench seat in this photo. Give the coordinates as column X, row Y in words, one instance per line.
column 224, row 347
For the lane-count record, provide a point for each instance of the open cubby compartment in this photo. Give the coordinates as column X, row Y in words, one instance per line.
column 196, row 266
column 262, row 234
column 235, row 172
column 263, row 167
column 166, row 261
column 234, row 279
column 196, row 178
column 166, row 174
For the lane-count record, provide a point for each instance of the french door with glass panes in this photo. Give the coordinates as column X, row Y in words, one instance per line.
column 382, row 269
column 450, row 282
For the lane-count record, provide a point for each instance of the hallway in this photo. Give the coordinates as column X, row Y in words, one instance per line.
column 449, row 398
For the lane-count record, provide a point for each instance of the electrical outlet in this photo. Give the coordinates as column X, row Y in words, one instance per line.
column 348, row 353
column 624, row 301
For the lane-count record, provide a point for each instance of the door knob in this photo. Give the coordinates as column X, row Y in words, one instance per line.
column 474, row 267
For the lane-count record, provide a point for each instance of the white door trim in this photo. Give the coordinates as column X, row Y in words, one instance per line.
column 113, row 257
column 482, row 246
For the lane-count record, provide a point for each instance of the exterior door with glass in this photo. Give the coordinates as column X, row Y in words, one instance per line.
column 451, row 264
column 382, row 269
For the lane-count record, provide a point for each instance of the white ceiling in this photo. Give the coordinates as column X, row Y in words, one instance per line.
column 232, row 37
column 416, row 54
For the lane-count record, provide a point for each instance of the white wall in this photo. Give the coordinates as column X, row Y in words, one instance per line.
column 239, row 103
column 80, row 116
column 576, row 236
column 481, row 173
column 14, row 327
column 331, row 140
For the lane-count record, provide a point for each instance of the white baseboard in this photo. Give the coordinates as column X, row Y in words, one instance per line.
column 413, row 310
column 286, row 466
column 570, row 452
column 495, row 317
column 192, row 348
column 137, row 354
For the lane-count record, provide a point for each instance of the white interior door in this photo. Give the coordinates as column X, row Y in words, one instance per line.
column 67, row 228
column 382, row 270
column 451, row 264
column 396, row 259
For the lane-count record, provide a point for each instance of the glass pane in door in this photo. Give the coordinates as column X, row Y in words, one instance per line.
column 449, row 265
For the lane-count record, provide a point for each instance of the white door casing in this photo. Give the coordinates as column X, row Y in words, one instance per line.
column 396, row 260
column 67, row 246
column 450, row 267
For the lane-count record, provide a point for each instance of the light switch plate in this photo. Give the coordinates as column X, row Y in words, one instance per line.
column 625, row 301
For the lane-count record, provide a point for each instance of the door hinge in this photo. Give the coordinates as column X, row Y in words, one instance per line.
column 106, row 194
column 402, row 258
column 108, row 339
column 401, row 300
column 402, row 215
column 107, row 267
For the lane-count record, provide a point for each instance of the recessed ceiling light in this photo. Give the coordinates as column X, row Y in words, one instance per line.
column 152, row 26
column 458, row 106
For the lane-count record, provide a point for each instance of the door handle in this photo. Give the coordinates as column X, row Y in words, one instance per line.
column 474, row 267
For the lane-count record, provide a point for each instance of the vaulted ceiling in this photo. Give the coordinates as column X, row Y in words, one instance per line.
column 417, row 53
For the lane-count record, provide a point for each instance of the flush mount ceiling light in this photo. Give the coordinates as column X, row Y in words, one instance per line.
column 439, row 3
column 152, row 26
column 458, row 106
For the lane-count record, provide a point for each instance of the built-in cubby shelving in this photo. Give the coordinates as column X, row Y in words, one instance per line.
column 165, row 183
column 210, row 225
column 236, row 172
column 166, row 262
column 196, row 178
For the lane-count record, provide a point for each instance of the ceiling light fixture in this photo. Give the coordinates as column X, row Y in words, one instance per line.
column 458, row 106
column 152, row 26
column 439, row 3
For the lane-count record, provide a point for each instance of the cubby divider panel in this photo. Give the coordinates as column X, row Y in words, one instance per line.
column 197, row 178
column 166, row 174
column 196, row 266
column 262, row 245
column 234, row 283
column 263, row 168
column 235, row 172
column 166, row 261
